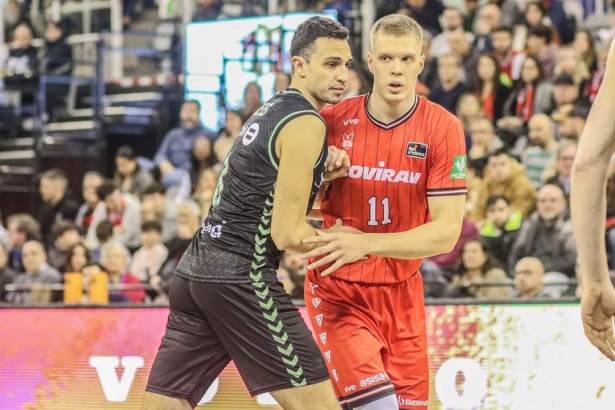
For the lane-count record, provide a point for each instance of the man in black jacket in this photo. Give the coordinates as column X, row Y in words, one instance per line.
column 57, row 61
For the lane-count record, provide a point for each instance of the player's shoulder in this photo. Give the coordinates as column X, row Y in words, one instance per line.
column 437, row 115
column 351, row 104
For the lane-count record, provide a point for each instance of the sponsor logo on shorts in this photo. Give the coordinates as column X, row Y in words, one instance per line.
column 368, row 381
column 411, row 402
column 416, row 150
column 334, row 372
column 316, row 302
column 319, row 319
column 215, row 231
column 323, row 338
column 350, row 388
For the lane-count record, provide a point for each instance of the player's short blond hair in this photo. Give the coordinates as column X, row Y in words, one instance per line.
column 397, row 25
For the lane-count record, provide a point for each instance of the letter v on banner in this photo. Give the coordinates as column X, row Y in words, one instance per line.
column 114, row 389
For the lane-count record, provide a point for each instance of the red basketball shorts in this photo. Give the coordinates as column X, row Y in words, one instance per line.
column 373, row 339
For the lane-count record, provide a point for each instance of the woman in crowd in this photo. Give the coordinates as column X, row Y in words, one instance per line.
column 493, row 88
column 129, row 176
column 477, row 266
column 78, row 256
column 115, row 259
column 570, row 61
column 585, row 45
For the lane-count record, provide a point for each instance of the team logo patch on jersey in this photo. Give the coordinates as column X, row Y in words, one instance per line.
column 459, row 167
column 416, row 150
column 347, row 140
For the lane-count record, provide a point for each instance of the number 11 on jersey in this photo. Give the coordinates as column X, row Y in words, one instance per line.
column 373, row 208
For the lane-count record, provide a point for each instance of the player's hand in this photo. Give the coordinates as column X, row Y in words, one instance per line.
column 340, row 228
column 597, row 313
column 339, row 248
column 338, row 163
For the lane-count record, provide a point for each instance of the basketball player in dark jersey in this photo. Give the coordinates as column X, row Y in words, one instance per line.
column 225, row 300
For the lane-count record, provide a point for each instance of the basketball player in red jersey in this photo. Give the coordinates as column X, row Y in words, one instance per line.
column 405, row 190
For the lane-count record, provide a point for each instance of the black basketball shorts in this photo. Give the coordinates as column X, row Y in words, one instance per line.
column 254, row 324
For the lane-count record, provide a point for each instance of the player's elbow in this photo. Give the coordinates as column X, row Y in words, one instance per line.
column 284, row 239
column 450, row 236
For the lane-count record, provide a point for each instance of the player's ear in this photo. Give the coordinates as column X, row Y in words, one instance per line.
column 299, row 66
column 370, row 62
column 422, row 63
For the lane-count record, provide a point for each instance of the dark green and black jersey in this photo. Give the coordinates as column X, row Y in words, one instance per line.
column 234, row 241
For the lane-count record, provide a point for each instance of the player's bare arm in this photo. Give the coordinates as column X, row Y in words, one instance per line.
column 298, row 147
column 588, row 203
column 434, row 238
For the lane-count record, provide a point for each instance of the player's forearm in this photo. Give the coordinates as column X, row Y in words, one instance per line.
column 433, row 238
column 588, row 205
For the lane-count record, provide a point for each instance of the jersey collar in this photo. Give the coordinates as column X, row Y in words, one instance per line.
column 395, row 123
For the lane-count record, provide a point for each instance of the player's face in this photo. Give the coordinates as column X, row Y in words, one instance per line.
column 396, row 63
column 326, row 74
column 498, row 213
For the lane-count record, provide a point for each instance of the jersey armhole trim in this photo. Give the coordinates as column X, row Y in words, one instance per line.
column 273, row 158
column 447, row 191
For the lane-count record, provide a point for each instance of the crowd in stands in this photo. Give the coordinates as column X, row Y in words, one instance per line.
column 520, row 76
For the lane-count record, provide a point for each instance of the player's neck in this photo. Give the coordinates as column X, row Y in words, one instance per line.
column 298, row 85
column 389, row 111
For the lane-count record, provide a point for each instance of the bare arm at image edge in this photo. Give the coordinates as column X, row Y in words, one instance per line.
column 588, row 205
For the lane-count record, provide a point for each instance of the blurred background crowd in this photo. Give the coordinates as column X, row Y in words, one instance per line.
column 521, row 76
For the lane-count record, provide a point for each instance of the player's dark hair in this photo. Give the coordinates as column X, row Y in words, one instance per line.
column 302, row 44
column 149, row 226
column 105, row 190
column 503, row 29
column 493, row 199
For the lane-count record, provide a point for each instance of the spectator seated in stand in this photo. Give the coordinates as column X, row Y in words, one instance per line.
column 172, row 159
column 57, row 206
column 543, row 149
column 530, row 280
column 7, row 275
column 115, row 259
column 122, row 210
column 22, row 228
column 77, row 257
column 37, row 272
column 504, row 176
column 501, row 228
column 160, row 208
column 449, row 88
column 475, row 267
column 57, row 61
column 547, row 235
column 129, row 176
column 561, row 172
column 147, row 261
column 65, row 236
column 91, row 181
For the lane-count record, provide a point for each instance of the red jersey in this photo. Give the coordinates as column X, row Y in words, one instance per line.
column 394, row 169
